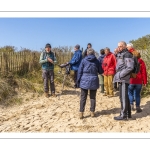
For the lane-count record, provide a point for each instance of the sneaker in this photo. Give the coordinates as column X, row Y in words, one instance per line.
column 138, row 109
column 120, row 118
column 92, row 114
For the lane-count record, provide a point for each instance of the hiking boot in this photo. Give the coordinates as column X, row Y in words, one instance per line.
column 81, row 115
column 138, row 109
column 109, row 96
column 46, row 94
column 92, row 114
column 54, row 95
column 75, row 86
column 132, row 107
column 105, row 94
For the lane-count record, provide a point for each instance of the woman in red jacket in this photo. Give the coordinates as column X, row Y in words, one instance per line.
column 109, row 65
column 134, row 89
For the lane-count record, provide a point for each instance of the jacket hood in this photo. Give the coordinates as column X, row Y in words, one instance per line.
column 131, row 50
column 102, row 56
column 109, row 54
column 90, row 58
column 78, row 51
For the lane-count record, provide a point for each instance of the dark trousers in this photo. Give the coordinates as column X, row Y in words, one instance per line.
column 84, row 94
column 115, row 85
column 124, row 100
column 48, row 76
column 75, row 77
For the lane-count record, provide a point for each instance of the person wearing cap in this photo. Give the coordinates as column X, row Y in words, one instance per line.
column 87, row 79
column 47, row 59
column 89, row 45
column 135, row 86
column 75, row 62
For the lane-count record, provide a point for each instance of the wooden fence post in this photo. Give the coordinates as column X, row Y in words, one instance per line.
column 5, row 64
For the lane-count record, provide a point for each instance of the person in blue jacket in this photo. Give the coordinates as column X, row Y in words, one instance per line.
column 88, row 80
column 75, row 62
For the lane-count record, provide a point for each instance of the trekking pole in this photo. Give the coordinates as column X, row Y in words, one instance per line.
column 64, row 79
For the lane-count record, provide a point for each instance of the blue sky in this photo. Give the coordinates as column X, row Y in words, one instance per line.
column 34, row 33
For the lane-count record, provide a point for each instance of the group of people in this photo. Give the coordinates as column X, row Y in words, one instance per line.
column 114, row 70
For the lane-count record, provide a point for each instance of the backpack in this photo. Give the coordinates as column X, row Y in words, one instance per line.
column 136, row 69
column 136, row 64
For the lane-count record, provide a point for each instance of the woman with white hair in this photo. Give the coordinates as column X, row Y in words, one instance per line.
column 87, row 79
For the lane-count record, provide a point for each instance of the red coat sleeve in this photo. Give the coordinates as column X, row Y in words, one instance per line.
column 143, row 72
column 115, row 61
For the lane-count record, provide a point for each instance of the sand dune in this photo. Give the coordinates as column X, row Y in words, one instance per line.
column 61, row 114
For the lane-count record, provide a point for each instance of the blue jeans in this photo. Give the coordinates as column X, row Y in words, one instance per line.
column 134, row 91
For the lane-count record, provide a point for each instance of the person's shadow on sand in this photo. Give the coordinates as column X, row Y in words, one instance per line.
column 145, row 112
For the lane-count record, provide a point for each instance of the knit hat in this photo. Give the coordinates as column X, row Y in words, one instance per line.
column 48, row 45
column 77, row 46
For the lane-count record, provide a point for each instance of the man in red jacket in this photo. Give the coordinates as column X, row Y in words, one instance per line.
column 109, row 65
column 135, row 86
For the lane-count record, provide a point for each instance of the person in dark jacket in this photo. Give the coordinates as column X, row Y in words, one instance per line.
column 101, row 77
column 75, row 62
column 124, row 67
column 89, row 45
column 47, row 59
column 88, row 80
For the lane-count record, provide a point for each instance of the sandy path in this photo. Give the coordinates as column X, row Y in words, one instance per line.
column 61, row 114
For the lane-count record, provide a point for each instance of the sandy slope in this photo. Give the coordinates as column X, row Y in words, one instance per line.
column 61, row 114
